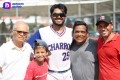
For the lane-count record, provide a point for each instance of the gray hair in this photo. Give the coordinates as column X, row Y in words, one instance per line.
column 18, row 23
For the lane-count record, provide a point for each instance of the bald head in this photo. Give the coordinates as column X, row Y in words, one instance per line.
column 20, row 25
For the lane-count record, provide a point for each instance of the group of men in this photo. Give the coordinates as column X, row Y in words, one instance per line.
column 74, row 56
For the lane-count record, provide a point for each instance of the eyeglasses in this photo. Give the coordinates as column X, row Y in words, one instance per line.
column 19, row 32
column 59, row 14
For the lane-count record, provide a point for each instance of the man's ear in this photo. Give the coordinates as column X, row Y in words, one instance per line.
column 13, row 32
column 112, row 26
column 50, row 16
column 87, row 33
column 0, row 69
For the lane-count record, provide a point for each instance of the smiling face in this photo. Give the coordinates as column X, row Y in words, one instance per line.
column 80, row 34
column 104, row 29
column 40, row 54
column 20, row 32
column 58, row 17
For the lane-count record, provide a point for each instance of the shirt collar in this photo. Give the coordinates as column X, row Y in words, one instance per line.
column 114, row 38
column 12, row 45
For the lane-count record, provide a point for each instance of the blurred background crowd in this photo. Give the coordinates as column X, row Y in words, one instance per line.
column 36, row 14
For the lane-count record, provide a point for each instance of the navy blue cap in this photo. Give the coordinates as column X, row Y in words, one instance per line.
column 104, row 18
column 39, row 42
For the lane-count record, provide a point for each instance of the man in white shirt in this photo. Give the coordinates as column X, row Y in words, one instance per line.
column 15, row 54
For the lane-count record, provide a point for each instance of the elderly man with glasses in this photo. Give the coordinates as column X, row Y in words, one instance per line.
column 15, row 54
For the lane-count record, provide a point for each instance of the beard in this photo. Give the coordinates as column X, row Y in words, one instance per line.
column 60, row 25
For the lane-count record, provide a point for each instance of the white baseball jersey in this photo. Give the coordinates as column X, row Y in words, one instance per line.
column 58, row 44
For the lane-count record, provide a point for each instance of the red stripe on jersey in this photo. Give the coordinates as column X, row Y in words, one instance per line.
column 59, row 34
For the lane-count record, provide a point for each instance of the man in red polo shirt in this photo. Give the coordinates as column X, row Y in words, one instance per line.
column 108, row 50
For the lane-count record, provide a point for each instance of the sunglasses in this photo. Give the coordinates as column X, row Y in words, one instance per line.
column 59, row 14
column 19, row 32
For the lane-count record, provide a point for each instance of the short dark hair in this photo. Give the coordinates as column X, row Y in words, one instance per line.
column 77, row 23
column 62, row 7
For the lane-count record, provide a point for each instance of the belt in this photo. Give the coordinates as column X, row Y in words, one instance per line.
column 59, row 71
